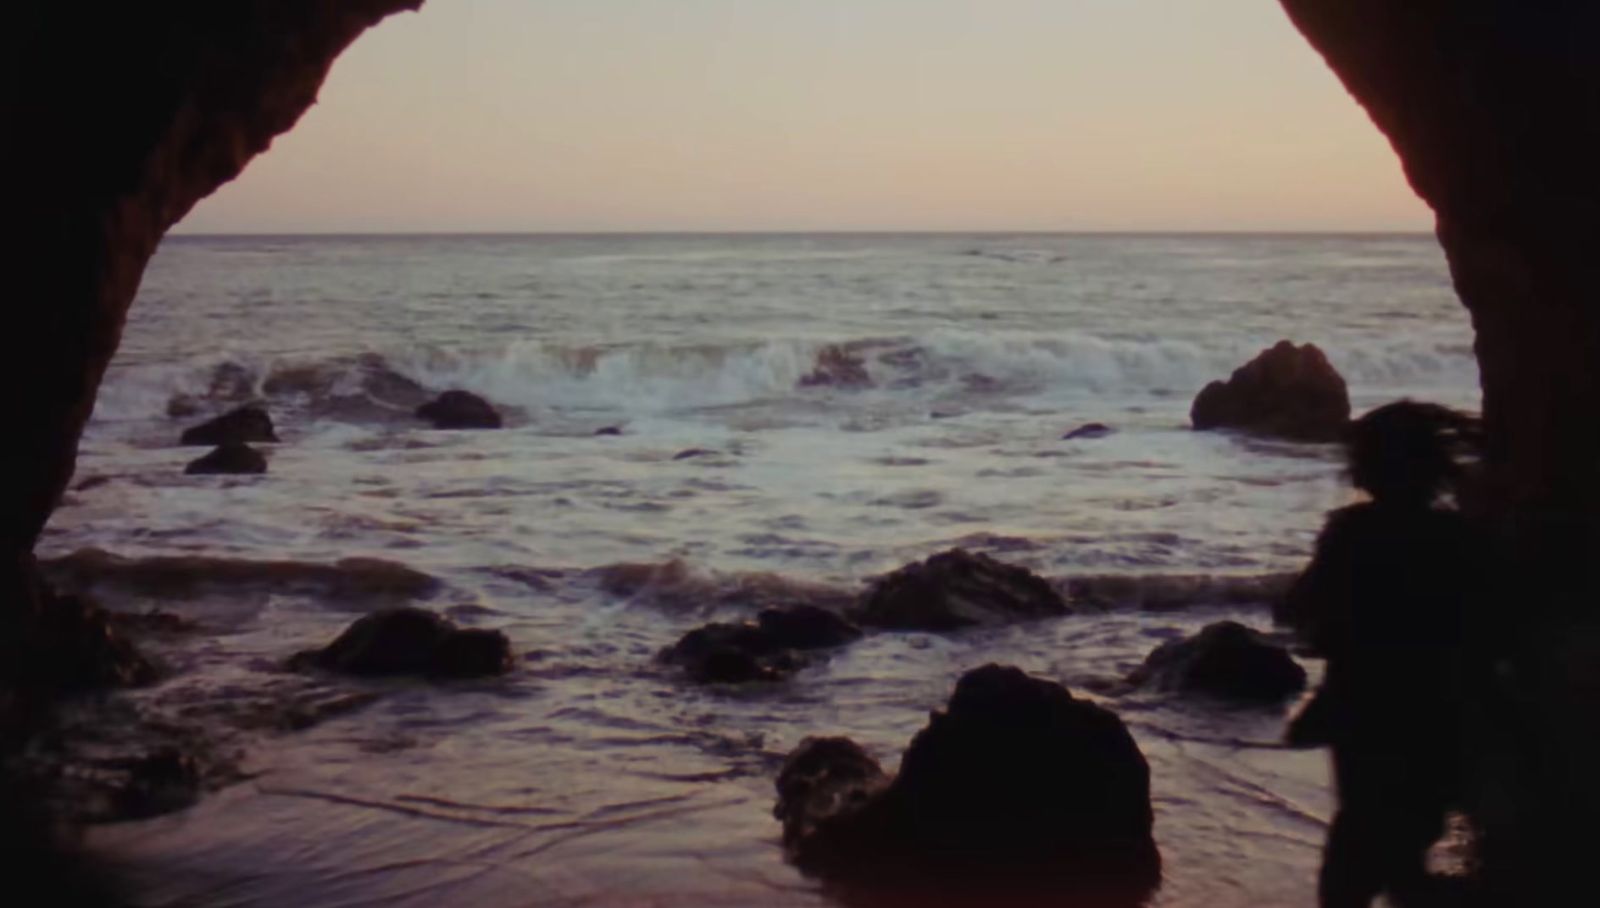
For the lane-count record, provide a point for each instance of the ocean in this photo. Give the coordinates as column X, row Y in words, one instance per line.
column 592, row 775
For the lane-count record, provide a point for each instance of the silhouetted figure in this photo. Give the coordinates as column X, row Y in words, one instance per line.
column 1388, row 599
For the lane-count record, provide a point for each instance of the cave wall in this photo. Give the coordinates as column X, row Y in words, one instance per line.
column 1494, row 109
column 115, row 119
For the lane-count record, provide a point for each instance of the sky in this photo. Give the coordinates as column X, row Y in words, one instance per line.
column 810, row 115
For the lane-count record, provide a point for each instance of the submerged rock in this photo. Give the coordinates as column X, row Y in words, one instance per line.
column 245, row 424
column 460, row 410
column 837, row 367
column 1225, row 659
column 1088, row 430
column 768, row 649
column 411, row 641
column 1286, row 391
column 1015, row 786
column 230, row 458
column 956, row 589
column 691, row 453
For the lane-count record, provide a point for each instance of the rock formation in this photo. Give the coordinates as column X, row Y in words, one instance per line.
column 1491, row 106
column 411, row 641
column 460, row 410
column 1227, row 660
column 1287, row 391
column 1015, row 787
column 231, row 458
column 957, row 589
column 768, row 649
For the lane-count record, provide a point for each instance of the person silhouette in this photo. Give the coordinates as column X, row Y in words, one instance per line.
column 1388, row 600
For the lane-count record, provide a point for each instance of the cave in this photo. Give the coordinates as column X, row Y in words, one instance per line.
column 118, row 119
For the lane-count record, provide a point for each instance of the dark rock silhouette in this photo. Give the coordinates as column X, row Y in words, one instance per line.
column 768, row 649
column 73, row 645
column 1015, row 786
column 1286, row 391
column 240, row 426
column 691, row 453
column 957, row 589
column 229, row 458
column 837, row 367
column 411, row 641
column 460, row 410
column 1088, row 430
column 1225, row 659
column 608, row 430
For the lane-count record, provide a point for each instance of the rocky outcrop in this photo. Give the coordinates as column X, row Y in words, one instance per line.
column 231, row 458
column 411, row 641
column 1015, row 786
column 1286, row 391
column 767, row 649
column 1227, row 660
column 167, row 102
column 242, row 426
column 957, row 589
column 837, row 367
column 460, row 410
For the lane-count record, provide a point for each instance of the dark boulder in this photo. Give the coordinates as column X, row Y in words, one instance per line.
column 691, row 453
column 1088, row 430
column 956, row 589
column 837, row 367
column 823, row 778
column 1225, row 659
column 768, row 649
column 1286, row 391
column 1015, row 785
column 229, row 458
column 240, row 426
column 460, row 410
column 411, row 641
column 608, row 431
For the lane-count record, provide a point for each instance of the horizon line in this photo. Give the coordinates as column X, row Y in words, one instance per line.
column 1222, row 231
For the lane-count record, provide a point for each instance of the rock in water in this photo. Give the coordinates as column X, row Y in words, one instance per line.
column 411, row 641
column 956, row 589
column 1286, row 391
column 1088, row 430
column 1225, row 659
column 460, row 410
column 768, row 649
column 837, row 367
column 230, row 458
column 246, row 424
column 1015, row 786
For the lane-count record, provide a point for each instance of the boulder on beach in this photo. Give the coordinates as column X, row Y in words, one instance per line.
column 1286, row 391
column 411, row 641
column 767, row 649
column 957, row 589
column 837, row 367
column 1227, row 660
column 460, row 410
column 1015, row 783
column 228, row 458
column 241, row 426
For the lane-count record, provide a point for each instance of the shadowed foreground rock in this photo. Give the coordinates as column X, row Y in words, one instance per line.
column 246, row 424
column 957, row 589
column 460, row 410
column 768, row 649
column 231, row 458
column 411, row 641
column 1225, row 659
column 1016, row 789
column 1286, row 391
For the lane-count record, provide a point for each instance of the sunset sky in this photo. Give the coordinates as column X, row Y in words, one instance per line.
column 579, row 115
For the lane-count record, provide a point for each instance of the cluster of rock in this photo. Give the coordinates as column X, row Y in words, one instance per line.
column 411, row 641
column 232, row 434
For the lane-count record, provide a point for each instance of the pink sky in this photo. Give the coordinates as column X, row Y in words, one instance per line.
column 557, row 115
